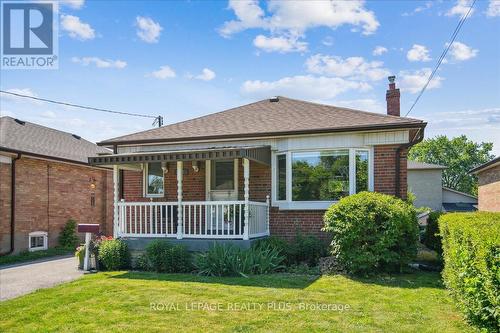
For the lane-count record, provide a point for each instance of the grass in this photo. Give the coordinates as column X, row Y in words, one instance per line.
column 29, row 256
column 133, row 301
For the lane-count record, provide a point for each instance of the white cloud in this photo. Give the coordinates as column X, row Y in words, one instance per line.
column 165, row 72
column 493, row 8
column 379, row 50
column 414, row 81
column 100, row 63
column 419, row 9
column 206, row 75
column 294, row 18
column 148, row 30
column 327, row 41
column 418, row 53
column 49, row 114
column 21, row 91
column 461, row 8
column 302, row 86
column 352, row 67
column 280, row 44
column 74, row 4
column 364, row 104
column 460, row 51
column 76, row 28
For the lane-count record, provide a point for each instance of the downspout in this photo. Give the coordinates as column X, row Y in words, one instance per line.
column 12, row 202
column 416, row 139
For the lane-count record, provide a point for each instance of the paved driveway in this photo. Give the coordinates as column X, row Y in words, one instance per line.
column 26, row 278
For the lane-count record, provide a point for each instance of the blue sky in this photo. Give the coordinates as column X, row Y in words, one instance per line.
column 187, row 58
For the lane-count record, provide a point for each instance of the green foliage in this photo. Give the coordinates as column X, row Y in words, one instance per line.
column 432, row 239
column 372, row 232
column 229, row 260
column 114, row 254
column 163, row 256
column 471, row 250
column 304, row 249
column 67, row 237
column 458, row 154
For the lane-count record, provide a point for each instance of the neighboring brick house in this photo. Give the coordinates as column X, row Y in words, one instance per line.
column 488, row 175
column 45, row 179
column 215, row 177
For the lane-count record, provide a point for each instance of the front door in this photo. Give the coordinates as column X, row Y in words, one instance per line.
column 222, row 181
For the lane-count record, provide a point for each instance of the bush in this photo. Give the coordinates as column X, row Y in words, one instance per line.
column 304, row 249
column 162, row 256
column 229, row 260
column 68, row 238
column 372, row 232
column 471, row 251
column 114, row 254
column 432, row 239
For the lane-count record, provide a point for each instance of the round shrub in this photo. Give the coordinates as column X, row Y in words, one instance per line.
column 114, row 254
column 162, row 256
column 372, row 232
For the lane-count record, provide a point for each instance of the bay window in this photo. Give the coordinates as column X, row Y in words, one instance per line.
column 315, row 179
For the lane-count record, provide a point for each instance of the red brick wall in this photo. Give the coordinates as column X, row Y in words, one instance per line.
column 385, row 170
column 193, row 184
column 489, row 190
column 5, row 195
column 284, row 223
column 48, row 193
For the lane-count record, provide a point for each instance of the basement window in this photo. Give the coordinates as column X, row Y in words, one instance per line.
column 37, row 241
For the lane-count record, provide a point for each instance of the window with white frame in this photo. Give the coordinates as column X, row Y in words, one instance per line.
column 153, row 179
column 321, row 176
column 37, row 241
column 222, row 177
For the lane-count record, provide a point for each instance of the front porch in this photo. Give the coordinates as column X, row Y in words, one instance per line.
column 225, row 214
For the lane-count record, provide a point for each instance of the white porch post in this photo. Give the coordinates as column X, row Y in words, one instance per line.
column 268, row 208
column 180, row 169
column 246, row 177
column 115, row 201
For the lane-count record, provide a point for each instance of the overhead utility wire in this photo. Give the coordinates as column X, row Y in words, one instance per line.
column 443, row 55
column 158, row 119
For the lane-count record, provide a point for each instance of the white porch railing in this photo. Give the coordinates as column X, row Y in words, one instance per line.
column 199, row 219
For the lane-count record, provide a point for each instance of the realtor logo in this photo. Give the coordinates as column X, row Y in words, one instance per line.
column 29, row 35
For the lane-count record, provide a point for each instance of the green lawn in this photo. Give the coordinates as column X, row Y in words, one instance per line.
column 123, row 301
column 29, row 256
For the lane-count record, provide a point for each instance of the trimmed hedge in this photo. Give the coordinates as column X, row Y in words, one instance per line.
column 471, row 251
column 372, row 232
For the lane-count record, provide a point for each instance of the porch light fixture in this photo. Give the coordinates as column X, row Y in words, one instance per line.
column 196, row 168
column 164, row 167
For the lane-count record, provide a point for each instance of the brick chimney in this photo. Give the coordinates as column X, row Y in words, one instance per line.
column 392, row 97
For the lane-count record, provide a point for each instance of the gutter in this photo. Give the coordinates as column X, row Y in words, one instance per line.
column 12, row 202
column 416, row 139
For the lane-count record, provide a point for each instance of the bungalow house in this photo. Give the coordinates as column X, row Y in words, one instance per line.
column 267, row 168
column 45, row 179
column 488, row 175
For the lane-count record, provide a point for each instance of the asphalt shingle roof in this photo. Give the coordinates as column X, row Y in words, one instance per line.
column 41, row 140
column 263, row 118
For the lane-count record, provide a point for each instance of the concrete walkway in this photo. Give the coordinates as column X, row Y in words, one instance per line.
column 25, row 278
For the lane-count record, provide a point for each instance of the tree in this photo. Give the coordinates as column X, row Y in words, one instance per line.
column 459, row 155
